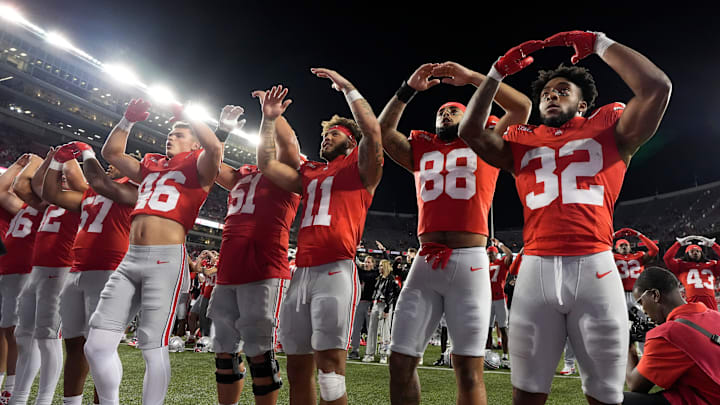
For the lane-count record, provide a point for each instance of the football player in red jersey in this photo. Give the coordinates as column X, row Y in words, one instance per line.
column 568, row 172
column 630, row 264
column 253, row 272
column 316, row 319
column 499, row 269
column 10, row 284
column 454, row 191
column 38, row 307
column 150, row 277
column 696, row 272
column 100, row 244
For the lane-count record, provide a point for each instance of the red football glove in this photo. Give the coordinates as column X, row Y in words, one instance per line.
column 436, row 253
column 517, row 59
column 582, row 41
column 137, row 110
column 66, row 153
column 178, row 111
column 83, row 149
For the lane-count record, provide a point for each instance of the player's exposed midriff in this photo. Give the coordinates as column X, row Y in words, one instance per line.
column 454, row 239
column 154, row 230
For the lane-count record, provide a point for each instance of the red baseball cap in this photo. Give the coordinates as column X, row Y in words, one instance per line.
column 692, row 247
column 492, row 249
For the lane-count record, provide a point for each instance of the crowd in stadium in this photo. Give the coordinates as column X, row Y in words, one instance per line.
column 301, row 266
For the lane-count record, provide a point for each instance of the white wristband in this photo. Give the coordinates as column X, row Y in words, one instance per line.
column 88, row 154
column 55, row 165
column 493, row 74
column 602, row 43
column 352, row 96
column 124, row 124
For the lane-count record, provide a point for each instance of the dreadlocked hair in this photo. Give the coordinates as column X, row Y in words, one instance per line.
column 346, row 122
column 578, row 75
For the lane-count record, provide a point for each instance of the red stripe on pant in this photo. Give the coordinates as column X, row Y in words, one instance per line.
column 277, row 312
column 354, row 304
column 176, row 296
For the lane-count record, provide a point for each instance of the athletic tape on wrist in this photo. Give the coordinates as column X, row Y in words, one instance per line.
column 494, row 74
column 88, row 154
column 55, row 165
column 125, row 124
column 352, row 96
column 602, row 43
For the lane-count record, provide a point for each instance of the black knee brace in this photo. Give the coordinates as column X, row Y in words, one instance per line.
column 268, row 368
column 233, row 363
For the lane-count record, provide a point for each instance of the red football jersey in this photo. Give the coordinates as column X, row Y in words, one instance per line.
column 208, row 285
column 171, row 188
column 5, row 218
column 568, row 180
column 19, row 241
column 102, row 239
column 498, row 274
column 335, row 204
column 629, row 266
column 451, row 178
column 257, row 230
column 697, row 278
column 55, row 238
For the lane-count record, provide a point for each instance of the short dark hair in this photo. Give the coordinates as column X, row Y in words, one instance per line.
column 183, row 124
column 578, row 75
column 657, row 277
column 346, row 122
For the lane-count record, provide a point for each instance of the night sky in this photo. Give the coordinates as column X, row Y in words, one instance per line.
column 218, row 52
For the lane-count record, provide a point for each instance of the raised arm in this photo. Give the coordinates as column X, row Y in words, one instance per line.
column 516, row 105
column 670, row 261
column 52, row 190
column 395, row 143
column 102, row 184
column 208, row 163
column 282, row 174
column 287, row 147
column 22, row 187
column 506, row 250
column 370, row 151
column 8, row 200
column 651, row 86
column 36, row 181
column 489, row 143
column 114, row 148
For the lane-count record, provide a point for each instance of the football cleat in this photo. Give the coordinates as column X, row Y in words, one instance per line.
column 369, row 358
column 567, row 370
column 354, row 355
column 383, row 359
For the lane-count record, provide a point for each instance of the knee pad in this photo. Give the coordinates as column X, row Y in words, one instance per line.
column 268, row 368
column 332, row 385
column 233, row 363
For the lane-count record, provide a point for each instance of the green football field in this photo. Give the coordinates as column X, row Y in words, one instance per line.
column 193, row 382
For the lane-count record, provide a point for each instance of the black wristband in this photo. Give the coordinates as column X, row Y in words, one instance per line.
column 221, row 134
column 405, row 93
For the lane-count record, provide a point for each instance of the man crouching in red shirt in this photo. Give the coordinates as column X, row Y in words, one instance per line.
column 680, row 354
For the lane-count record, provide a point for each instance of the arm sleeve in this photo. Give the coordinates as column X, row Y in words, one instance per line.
column 663, row 363
column 515, row 266
column 670, row 259
column 716, row 249
column 653, row 249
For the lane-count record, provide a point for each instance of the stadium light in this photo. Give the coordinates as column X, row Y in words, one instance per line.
column 123, row 74
column 162, row 95
column 11, row 14
column 253, row 139
column 58, row 40
column 198, row 112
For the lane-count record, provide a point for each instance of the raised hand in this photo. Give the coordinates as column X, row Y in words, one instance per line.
column 229, row 118
column 23, row 160
column 260, row 95
column 517, row 59
column 274, row 103
column 65, row 153
column 339, row 83
column 453, row 73
column 706, row 241
column 137, row 110
column 178, row 111
column 420, row 79
column 582, row 41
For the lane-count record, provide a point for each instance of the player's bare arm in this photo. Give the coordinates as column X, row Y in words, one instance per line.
column 488, row 143
column 52, row 190
column 209, row 160
column 516, row 105
column 8, row 200
column 102, row 184
column 370, row 151
column 395, row 143
column 283, row 175
column 287, row 147
column 22, row 187
column 227, row 177
column 114, row 148
column 651, row 86
column 506, row 250
column 36, row 181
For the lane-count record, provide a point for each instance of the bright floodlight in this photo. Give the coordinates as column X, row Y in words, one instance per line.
column 58, row 40
column 198, row 112
column 162, row 95
column 252, row 139
column 11, row 14
column 122, row 74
